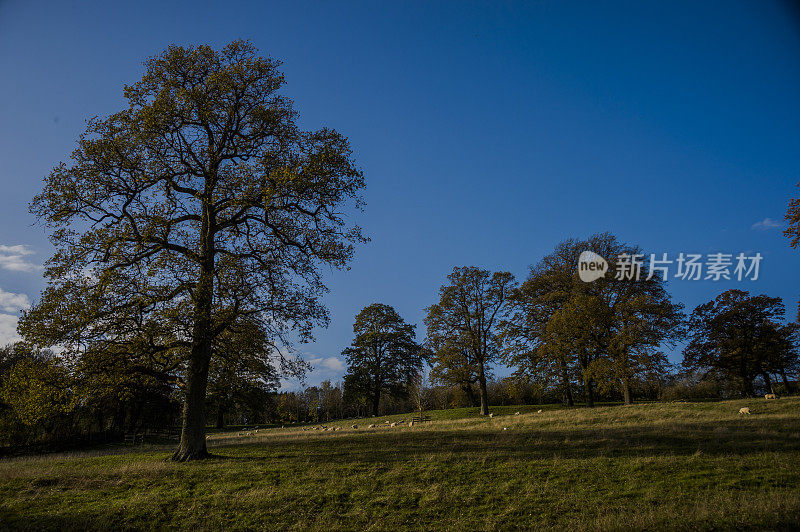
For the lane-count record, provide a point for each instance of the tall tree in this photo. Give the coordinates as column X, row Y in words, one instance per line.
column 383, row 357
column 463, row 325
column 608, row 331
column 740, row 337
column 199, row 204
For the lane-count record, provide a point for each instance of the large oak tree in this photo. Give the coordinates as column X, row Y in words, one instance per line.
column 199, row 207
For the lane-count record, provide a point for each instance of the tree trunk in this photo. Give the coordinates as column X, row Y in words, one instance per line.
column 768, row 382
column 589, row 393
column 570, row 400
column 565, row 383
column 376, row 402
column 626, row 392
column 786, row 382
column 484, row 393
column 193, row 433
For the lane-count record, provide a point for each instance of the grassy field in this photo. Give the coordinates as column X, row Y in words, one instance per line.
column 663, row 466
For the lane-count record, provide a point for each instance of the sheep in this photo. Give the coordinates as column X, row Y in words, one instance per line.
column 539, row 411
column 491, row 415
column 770, row 396
column 392, row 424
column 372, row 426
column 505, row 428
column 744, row 410
column 411, row 423
column 516, row 413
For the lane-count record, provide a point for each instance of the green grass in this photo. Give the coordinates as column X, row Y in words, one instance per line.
column 648, row 466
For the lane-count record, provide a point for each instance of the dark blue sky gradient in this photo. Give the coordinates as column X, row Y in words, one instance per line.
column 487, row 132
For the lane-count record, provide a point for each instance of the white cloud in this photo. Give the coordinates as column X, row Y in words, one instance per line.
column 11, row 302
column 329, row 363
column 8, row 329
column 13, row 258
column 766, row 224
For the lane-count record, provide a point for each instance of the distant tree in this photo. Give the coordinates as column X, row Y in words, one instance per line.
column 242, row 375
column 199, row 204
column 463, row 327
column 740, row 337
column 384, row 355
column 608, row 331
column 330, row 399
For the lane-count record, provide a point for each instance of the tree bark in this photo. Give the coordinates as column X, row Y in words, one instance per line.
column 376, row 402
column 193, row 432
column 589, row 393
column 484, row 393
column 565, row 383
column 786, row 384
column 626, row 392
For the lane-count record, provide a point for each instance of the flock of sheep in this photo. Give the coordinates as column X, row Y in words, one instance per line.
column 325, row 428
column 746, row 409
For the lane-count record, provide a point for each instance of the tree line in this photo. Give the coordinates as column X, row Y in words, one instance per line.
column 581, row 340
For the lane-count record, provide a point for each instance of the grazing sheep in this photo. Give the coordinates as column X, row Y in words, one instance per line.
column 491, row 415
column 539, row 411
column 744, row 410
column 505, row 428
column 770, row 396
column 392, row 424
column 372, row 426
column 516, row 413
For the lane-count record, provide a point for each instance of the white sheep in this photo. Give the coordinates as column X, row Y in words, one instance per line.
column 372, row 426
column 539, row 411
column 516, row 413
column 744, row 410
column 392, row 424
column 491, row 415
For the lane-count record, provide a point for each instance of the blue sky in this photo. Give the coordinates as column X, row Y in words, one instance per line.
column 487, row 132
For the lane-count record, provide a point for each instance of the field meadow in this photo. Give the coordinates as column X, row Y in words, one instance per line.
column 655, row 465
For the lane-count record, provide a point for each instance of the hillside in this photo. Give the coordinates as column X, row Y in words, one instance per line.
column 676, row 465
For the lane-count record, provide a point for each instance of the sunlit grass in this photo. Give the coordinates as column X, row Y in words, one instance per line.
column 679, row 465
